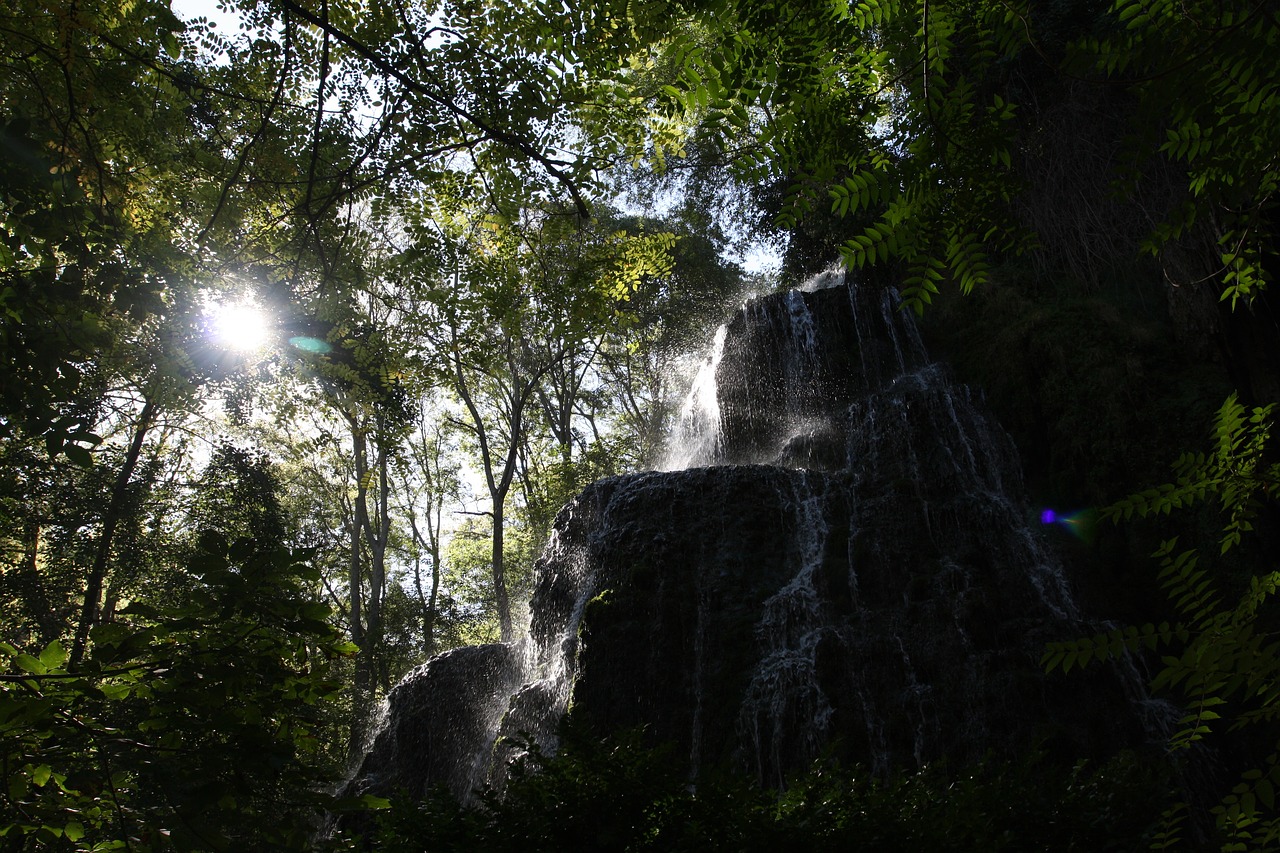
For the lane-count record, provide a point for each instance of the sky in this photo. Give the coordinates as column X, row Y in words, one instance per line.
column 191, row 9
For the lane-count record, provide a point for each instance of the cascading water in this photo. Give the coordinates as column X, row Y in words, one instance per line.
column 535, row 708
column 841, row 565
column 697, row 435
column 460, row 718
column 784, row 689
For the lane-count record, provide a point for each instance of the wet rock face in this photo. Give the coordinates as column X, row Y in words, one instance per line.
column 794, row 626
column 871, row 587
column 792, row 362
column 438, row 721
column 667, row 634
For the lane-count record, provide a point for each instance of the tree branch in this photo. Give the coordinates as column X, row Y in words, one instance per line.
column 492, row 132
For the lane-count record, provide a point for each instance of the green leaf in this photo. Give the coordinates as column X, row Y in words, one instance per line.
column 53, row 656
column 1265, row 793
column 171, row 45
column 78, row 455
column 30, row 664
column 369, row 801
column 115, row 691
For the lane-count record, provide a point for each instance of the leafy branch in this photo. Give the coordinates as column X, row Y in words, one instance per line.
column 1217, row 655
column 489, row 130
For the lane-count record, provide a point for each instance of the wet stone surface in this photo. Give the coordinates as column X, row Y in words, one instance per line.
column 847, row 568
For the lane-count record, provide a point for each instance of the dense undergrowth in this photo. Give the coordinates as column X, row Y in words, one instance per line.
column 621, row 796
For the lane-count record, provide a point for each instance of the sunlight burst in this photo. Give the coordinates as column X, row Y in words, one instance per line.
column 242, row 325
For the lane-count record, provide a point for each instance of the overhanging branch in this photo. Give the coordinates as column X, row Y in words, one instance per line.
column 493, row 133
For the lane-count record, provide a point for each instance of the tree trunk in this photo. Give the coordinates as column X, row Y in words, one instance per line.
column 362, row 678
column 500, row 573
column 426, row 603
column 29, row 572
column 498, row 485
column 431, row 545
column 370, row 670
column 377, row 535
column 110, row 519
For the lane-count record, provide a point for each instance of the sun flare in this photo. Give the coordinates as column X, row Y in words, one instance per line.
column 242, row 326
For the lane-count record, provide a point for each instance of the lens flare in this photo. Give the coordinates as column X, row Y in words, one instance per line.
column 306, row 343
column 1079, row 524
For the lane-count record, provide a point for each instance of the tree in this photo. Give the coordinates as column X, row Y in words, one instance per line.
column 642, row 362
column 430, row 479
column 141, row 747
column 358, row 418
column 43, row 500
column 515, row 326
column 94, row 143
column 927, row 128
column 496, row 423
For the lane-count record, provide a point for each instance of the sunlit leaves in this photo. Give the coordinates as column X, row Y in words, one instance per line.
column 925, row 84
column 99, row 158
column 1233, row 474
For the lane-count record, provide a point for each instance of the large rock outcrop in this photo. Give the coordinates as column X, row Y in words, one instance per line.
column 870, row 586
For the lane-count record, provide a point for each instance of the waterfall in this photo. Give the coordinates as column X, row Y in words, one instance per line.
column 911, row 459
column 837, row 560
column 533, row 709
column 783, row 700
column 696, row 440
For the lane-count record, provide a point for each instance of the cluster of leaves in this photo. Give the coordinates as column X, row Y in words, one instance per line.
column 919, row 123
column 622, row 796
column 192, row 725
column 90, row 142
column 1205, row 84
column 1219, row 656
column 881, row 112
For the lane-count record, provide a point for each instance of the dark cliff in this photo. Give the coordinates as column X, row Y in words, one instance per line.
column 873, row 587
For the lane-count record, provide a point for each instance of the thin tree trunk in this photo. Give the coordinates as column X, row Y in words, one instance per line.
column 110, row 519
column 431, row 544
column 498, row 487
column 355, row 573
column 362, row 679
column 30, row 573
column 377, row 537
column 370, row 670
column 500, row 573
column 518, row 393
column 433, row 604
